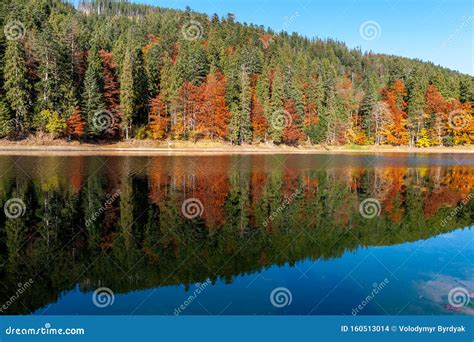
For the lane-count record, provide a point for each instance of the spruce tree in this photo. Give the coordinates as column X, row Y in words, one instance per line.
column 127, row 93
column 16, row 84
column 277, row 116
column 6, row 123
column 245, row 102
column 92, row 102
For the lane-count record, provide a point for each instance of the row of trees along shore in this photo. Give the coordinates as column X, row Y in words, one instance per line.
column 108, row 70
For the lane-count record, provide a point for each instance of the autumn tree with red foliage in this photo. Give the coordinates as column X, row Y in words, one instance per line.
column 75, row 124
column 213, row 116
column 158, row 118
column 191, row 104
column 292, row 133
column 259, row 122
column 396, row 132
column 111, row 92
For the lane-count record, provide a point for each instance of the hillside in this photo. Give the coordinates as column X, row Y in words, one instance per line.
column 111, row 70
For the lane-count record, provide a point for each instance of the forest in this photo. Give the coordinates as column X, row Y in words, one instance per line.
column 104, row 71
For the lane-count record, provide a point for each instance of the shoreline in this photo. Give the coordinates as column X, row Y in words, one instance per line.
column 186, row 148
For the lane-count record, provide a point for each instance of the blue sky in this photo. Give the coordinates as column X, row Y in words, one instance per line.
column 440, row 31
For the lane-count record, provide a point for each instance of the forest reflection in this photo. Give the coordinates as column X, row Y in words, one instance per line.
column 141, row 239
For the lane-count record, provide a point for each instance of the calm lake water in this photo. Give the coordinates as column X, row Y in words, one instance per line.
column 237, row 234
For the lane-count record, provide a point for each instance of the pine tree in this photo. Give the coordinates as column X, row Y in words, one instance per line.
column 240, row 124
column 7, row 126
column 245, row 107
column 92, row 103
column 127, row 93
column 277, row 116
column 367, row 104
column 50, row 87
column 16, row 85
column 415, row 105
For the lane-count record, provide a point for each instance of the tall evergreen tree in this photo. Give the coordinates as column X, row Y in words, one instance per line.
column 277, row 116
column 92, row 102
column 17, row 87
column 240, row 125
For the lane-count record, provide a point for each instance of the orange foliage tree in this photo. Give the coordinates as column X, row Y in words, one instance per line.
column 257, row 117
column 292, row 134
column 213, row 116
column 75, row 125
column 111, row 91
column 396, row 132
column 158, row 118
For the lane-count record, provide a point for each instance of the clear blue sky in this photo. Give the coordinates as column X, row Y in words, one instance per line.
column 440, row 31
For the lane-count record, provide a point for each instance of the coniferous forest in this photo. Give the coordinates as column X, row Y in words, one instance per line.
column 110, row 70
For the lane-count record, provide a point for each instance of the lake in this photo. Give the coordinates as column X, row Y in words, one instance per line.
column 387, row 234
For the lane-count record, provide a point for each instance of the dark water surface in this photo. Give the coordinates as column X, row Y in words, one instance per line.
column 237, row 234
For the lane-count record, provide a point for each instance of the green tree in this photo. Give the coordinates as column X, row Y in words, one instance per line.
column 240, row 125
column 92, row 102
column 277, row 116
column 17, row 87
